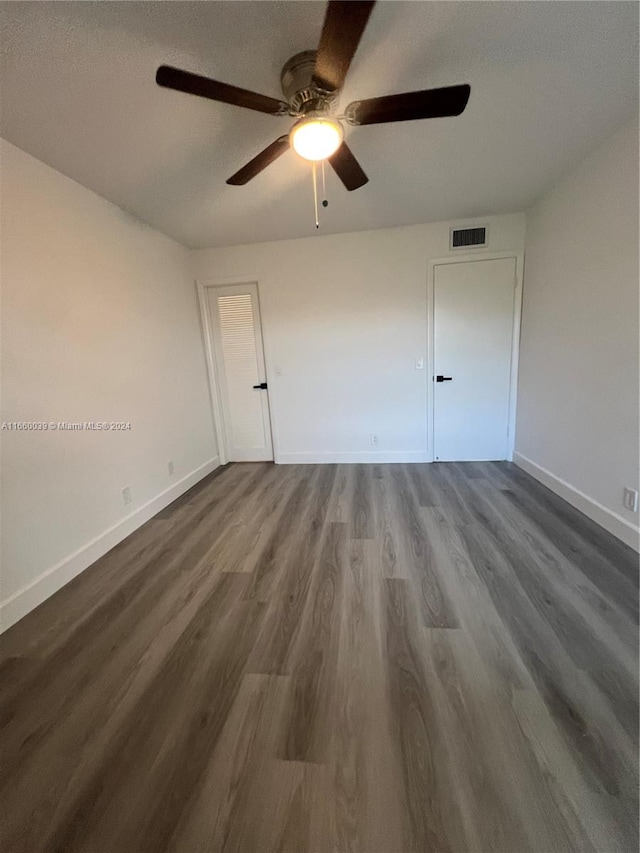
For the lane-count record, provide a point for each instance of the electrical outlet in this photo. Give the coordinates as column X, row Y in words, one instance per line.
column 419, row 363
column 630, row 499
column 374, row 438
column 126, row 495
column 170, row 467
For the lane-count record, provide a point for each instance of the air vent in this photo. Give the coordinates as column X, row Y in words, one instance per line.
column 461, row 238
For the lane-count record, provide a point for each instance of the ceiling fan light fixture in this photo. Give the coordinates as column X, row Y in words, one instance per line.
column 316, row 137
column 311, row 82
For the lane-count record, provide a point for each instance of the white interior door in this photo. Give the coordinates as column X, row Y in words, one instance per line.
column 474, row 306
column 237, row 344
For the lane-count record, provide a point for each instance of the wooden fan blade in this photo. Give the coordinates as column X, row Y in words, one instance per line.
column 260, row 162
column 205, row 87
column 347, row 168
column 428, row 103
column 342, row 30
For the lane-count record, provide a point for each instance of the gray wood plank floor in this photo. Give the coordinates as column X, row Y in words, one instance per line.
column 380, row 659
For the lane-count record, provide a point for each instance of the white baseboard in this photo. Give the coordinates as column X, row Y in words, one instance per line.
column 376, row 456
column 51, row 580
column 625, row 530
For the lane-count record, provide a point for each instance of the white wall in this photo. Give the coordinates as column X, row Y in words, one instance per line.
column 99, row 322
column 344, row 320
column 578, row 387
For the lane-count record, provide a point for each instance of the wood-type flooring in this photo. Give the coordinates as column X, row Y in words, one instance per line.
column 367, row 658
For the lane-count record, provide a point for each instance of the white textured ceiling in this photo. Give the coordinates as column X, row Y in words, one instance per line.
column 549, row 80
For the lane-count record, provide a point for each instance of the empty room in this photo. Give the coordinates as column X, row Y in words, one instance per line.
column 320, row 427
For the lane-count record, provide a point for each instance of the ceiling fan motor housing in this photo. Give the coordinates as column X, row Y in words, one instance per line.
column 299, row 88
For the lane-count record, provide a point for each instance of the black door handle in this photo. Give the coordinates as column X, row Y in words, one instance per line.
column 262, row 385
column 444, row 378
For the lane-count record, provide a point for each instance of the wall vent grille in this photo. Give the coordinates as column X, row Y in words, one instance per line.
column 462, row 238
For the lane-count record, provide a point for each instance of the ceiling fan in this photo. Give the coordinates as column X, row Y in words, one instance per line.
column 311, row 82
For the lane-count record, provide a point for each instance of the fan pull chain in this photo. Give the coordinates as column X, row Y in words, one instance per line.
column 315, row 191
column 325, row 203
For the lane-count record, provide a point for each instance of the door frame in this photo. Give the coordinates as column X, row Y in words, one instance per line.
column 515, row 339
column 213, row 369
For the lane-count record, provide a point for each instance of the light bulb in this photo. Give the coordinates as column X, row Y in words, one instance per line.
column 316, row 137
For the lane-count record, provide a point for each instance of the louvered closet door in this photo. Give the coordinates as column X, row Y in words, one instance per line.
column 235, row 319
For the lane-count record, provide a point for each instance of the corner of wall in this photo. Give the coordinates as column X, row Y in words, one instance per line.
column 51, row 580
